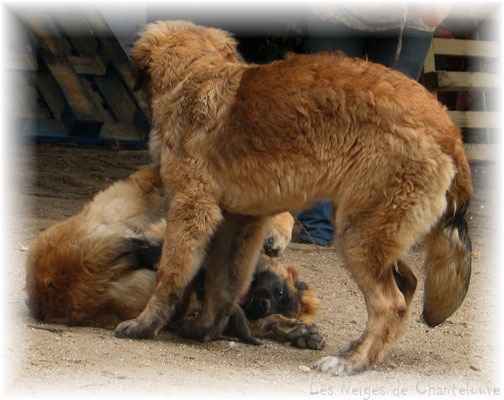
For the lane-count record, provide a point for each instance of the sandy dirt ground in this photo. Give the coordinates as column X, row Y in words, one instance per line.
column 458, row 358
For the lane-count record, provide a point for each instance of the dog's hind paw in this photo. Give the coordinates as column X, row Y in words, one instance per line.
column 338, row 366
column 133, row 329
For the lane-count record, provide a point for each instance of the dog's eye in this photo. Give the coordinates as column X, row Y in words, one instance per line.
column 280, row 293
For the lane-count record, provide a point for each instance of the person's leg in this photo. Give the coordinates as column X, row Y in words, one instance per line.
column 415, row 44
column 328, row 36
column 317, row 226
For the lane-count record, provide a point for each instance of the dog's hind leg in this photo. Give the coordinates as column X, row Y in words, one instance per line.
column 372, row 267
column 406, row 282
column 192, row 221
column 374, row 235
column 230, row 265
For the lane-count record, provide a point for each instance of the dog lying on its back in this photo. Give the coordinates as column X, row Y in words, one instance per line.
column 255, row 140
column 99, row 267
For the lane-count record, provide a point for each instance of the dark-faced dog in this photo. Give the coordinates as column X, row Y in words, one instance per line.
column 99, row 267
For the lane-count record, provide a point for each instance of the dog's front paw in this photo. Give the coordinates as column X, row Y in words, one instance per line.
column 339, row 366
column 306, row 337
column 133, row 329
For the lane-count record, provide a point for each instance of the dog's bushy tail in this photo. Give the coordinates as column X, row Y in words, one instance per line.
column 448, row 261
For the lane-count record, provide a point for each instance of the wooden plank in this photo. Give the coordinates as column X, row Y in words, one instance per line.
column 79, row 115
column 104, row 112
column 124, row 70
column 465, row 48
column 85, row 77
column 117, row 97
column 482, row 152
column 112, row 52
column 455, row 81
column 43, row 127
column 476, row 119
column 78, row 33
column 72, row 90
column 46, row 33
column 24, row 97
column 87, row 65
column 121, row 131
column 83, row 46
column 430, row 61
column 49, row 91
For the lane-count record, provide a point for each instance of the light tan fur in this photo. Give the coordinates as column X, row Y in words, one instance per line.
column 84, row 271
column 75, row 273
column 253, row 140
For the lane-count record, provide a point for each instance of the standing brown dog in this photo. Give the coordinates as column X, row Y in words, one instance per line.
column 237, row 139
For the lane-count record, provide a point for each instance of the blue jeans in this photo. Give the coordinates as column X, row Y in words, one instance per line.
column 317, row 227
column 380, row 47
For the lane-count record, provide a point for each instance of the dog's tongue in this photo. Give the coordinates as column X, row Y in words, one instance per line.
column 245, row 298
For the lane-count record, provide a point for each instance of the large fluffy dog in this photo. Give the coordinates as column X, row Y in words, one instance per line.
column 98, row 268
column 250, row 140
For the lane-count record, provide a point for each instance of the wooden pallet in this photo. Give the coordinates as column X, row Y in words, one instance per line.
column 74, row 80
column 437, row 81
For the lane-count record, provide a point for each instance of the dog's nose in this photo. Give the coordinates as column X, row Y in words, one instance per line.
column 264, row 304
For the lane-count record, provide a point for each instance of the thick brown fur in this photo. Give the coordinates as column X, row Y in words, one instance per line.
column 82, row 271
column 254, row 140
column 99, row 267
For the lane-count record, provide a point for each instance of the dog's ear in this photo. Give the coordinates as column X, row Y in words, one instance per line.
column 309, row 306
column 309, row 303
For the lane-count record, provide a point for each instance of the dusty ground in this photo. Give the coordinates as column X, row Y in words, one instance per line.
column 457, row 358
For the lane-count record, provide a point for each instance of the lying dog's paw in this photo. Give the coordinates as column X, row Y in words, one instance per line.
column 238, row 326
column 278, row 234
column 133, row 329
column 271, row 247
column 305, row 337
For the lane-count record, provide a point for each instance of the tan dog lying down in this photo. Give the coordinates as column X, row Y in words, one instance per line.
column 98, row 268
column 255, row 140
